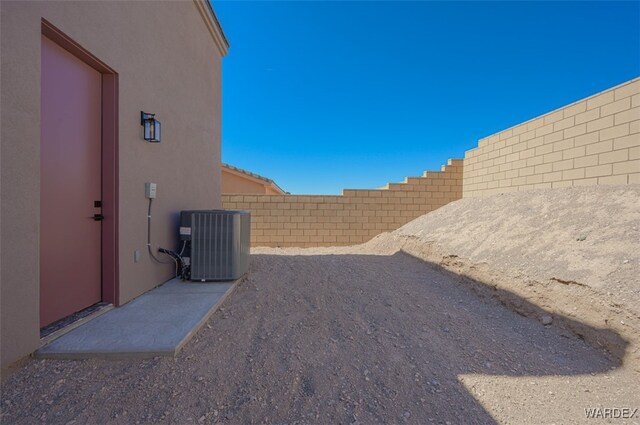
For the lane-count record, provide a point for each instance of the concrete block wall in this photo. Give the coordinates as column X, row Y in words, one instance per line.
column 593, row 141
column 352, row 218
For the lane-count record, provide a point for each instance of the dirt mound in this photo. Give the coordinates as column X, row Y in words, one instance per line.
column 576, row 251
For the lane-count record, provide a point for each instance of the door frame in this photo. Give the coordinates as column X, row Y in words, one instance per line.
column 109, row 252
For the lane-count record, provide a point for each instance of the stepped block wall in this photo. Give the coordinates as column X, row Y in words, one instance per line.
column 595, row 141
column 351, row 218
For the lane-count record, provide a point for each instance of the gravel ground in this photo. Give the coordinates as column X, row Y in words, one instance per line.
column 522, row 308
column 343, row 336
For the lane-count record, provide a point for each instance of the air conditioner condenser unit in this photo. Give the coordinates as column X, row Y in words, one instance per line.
column 217, row 243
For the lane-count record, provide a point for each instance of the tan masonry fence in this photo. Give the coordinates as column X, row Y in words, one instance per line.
column 354, row 217
column 595, row 141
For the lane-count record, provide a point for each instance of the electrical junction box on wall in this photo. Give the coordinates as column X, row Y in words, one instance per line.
column 150, row 190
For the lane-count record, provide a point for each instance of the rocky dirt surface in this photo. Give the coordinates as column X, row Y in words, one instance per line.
column 574, row 252
column 312, row 337
column 582, row 235
column 465, row 316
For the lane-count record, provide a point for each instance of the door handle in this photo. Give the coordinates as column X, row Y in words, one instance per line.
column 98, row 217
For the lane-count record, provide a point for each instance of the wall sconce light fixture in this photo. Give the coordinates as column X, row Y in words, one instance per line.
column 151, row 127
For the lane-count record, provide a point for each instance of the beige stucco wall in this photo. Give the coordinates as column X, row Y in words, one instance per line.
column 269, row 190
column 234, row 183
column 593, row 141
column 168, row 64
column 355, row 217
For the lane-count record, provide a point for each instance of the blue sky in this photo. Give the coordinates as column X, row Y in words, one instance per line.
column 325, row 96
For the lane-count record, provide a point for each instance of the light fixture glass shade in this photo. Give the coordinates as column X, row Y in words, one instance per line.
column 151, row 127
column 156, row 131
column 148, row 130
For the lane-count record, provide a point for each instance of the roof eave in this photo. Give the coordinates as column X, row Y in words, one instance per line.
column 213, row 25
column 279, row 188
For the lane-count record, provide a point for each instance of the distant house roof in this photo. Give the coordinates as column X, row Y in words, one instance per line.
column 254, row 176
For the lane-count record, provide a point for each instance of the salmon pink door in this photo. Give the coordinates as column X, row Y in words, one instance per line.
column 70, row 184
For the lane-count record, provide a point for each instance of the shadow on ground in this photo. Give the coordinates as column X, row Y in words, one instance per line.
column 320, row 339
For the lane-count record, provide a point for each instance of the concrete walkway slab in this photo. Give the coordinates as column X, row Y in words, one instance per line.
column 157, row 323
